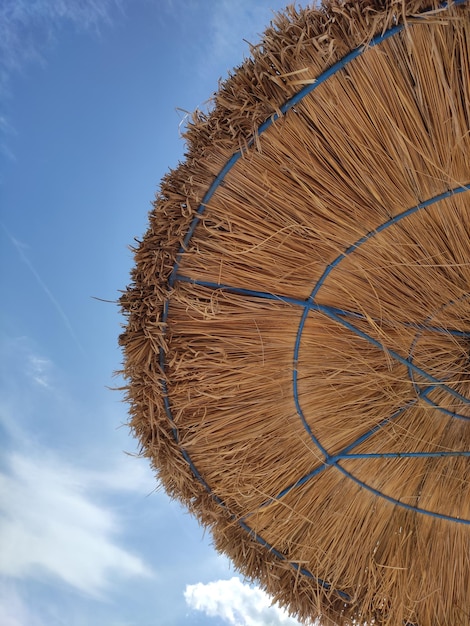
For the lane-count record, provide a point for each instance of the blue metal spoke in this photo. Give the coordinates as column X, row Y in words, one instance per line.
column 329, row 460
column 299, row 302
column 397, row 357
column 400, row 455
column 410, row 360
column 391, row 222
column 409, row 507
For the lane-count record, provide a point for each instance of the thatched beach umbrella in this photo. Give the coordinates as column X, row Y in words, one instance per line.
column 297, row 340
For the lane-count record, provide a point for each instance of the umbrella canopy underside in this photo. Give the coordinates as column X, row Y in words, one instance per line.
column 297, row 338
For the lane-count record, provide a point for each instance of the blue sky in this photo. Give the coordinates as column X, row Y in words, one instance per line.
column 91, row 101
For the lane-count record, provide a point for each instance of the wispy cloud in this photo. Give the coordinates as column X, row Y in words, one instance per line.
column 27, row 27
column 13, row 608
column 236, row 603
column 27, row 379
column 6, row 130
column 39, row 368
column 52, row 524
column 62, row 520
column 21, row 250
column 232, row 24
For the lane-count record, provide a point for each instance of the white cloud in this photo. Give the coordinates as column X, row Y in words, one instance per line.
column 14, row 610
column 236, row 603
column 50, row 525
column 132, row 474
column 39, row 369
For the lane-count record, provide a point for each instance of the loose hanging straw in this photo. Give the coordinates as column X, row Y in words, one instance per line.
column 297, row 339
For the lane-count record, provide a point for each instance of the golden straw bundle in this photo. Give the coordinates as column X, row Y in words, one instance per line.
column 297, row 338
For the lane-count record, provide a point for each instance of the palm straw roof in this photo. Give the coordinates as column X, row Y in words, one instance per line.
column 297, row 337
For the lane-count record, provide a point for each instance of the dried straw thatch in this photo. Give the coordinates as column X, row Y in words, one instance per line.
column 297, row 338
